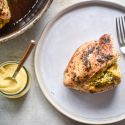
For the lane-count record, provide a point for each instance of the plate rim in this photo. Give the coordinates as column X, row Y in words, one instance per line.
column 43, row 88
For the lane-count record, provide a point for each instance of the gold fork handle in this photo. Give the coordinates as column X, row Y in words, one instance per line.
column 23, row 59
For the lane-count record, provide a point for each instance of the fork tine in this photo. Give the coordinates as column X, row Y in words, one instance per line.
column 118, row 32
column 123, row 25
column 121, row 30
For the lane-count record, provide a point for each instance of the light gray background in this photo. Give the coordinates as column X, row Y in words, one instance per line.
column 33, row 108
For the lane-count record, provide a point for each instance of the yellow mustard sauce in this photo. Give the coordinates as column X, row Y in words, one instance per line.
column 10, row 86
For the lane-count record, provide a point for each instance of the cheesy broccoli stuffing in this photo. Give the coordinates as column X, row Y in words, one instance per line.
column 110, row 76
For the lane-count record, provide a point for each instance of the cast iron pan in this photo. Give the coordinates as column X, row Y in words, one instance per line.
column 24, row 13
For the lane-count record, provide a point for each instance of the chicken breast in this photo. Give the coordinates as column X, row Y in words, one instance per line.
column 5, row 14
column 88, row 62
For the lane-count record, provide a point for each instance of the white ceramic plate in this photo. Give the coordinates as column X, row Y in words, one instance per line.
column 62, row 36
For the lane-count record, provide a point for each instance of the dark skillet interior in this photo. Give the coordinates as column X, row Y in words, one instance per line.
column 22, row 12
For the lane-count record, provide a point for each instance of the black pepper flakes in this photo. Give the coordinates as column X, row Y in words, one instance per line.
column 105, row 40
column 109, row 57
column 85, row 58
column 103, row 58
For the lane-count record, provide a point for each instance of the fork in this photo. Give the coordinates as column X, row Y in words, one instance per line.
column 120, row 29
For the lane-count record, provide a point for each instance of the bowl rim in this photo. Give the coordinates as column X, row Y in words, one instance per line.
column 28, row 26
column 27, row 82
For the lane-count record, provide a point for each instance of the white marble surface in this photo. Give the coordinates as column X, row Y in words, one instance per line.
column 33, row 109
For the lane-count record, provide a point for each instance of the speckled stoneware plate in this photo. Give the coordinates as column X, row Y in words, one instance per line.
column 73, row 26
